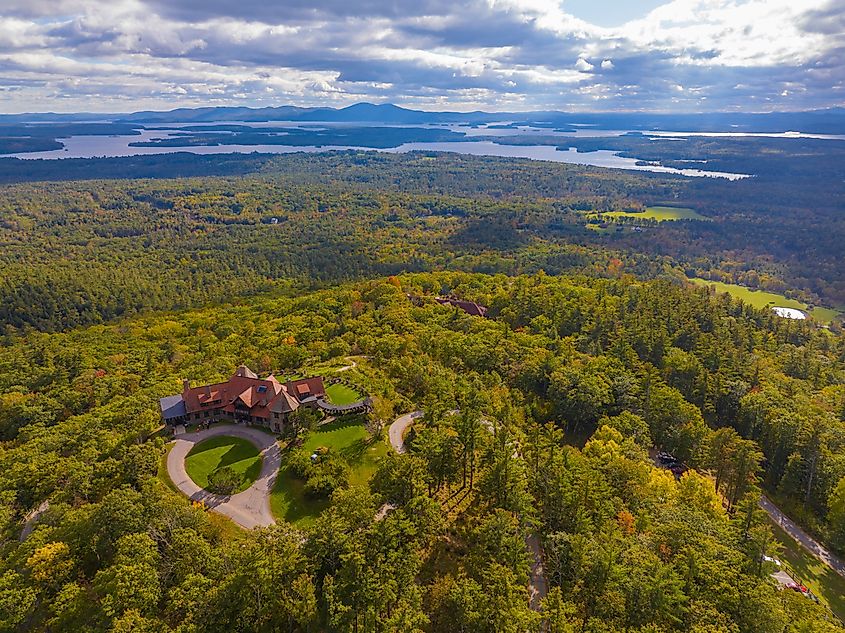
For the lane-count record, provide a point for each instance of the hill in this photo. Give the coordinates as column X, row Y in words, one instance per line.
column 561, row 391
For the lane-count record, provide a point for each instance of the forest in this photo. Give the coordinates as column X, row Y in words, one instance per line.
column 83, row 252
column 560, row 394
column 540, row 423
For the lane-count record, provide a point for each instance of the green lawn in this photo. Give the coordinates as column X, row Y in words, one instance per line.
column 824, row 315
column 659, row 214
column 763, row 299
column 238, row 454
column 347, row 437
column 340, row 394
column 818, row 577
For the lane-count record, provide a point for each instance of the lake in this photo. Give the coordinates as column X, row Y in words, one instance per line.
column 113, row 146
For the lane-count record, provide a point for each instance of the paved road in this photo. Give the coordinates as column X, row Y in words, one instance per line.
column 806, row 541
column 398, row 428
column 250, row 508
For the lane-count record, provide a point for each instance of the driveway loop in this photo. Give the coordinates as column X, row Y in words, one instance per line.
column 250, row 508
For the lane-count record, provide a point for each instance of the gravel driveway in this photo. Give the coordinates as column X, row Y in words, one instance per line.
column 250, row 508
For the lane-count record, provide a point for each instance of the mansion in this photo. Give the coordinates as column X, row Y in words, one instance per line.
column 243, row 398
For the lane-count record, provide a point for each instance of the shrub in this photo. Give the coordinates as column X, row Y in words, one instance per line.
column 224, row 481
column 326, row 475
column 299, row 464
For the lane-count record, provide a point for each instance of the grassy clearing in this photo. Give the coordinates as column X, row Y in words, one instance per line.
column 341, row 394
column 763, row 299
column 658, row 214
column 216, row 452
column 824, row 315
column 818, row 577
column 756, row 298
column 346, row 437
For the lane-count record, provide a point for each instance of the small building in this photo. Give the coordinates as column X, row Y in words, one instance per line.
column 243, row 398
column 307, row 390
column 470, row 307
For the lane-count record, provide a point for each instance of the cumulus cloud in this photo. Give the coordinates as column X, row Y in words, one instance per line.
column 132, row 54
column 583, row 65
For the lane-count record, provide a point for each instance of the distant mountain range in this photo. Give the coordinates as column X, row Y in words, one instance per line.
column 830, row 121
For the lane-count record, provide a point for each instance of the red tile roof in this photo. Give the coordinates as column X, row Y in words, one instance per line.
column 307, row 387
column 470, row 307
column 261, row 397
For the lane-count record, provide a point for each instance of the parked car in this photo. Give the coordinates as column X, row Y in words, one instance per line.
column 666, row 458
column 678, row 469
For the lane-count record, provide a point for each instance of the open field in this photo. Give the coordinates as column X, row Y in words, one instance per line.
column 341, row 394
column 818, row 577
column 216, row 452
column 658, row 214
column 825, row 315
column 346, row 437
column 763, row 299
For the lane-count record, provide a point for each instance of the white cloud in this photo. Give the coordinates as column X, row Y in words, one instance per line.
column 132, row 54
column 583, row 65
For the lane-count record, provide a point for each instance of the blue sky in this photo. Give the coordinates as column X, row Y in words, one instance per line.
column 587, row 55
column 610, row 13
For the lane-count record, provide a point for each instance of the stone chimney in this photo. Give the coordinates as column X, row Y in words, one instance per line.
column 186, row 384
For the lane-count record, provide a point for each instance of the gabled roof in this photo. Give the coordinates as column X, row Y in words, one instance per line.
column 245, row 372
column 307, row 388
column 470, row 307
column 260, row 396
column 248, row 396
column 284, row 403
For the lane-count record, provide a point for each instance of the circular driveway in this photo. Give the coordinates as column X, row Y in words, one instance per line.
column 250, row 508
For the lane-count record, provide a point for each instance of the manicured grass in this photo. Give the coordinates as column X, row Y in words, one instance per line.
column 763, row 299
column 346, row 437
column 238, row 454
column 818, row 577
column 659, row 214
column 341, row 394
